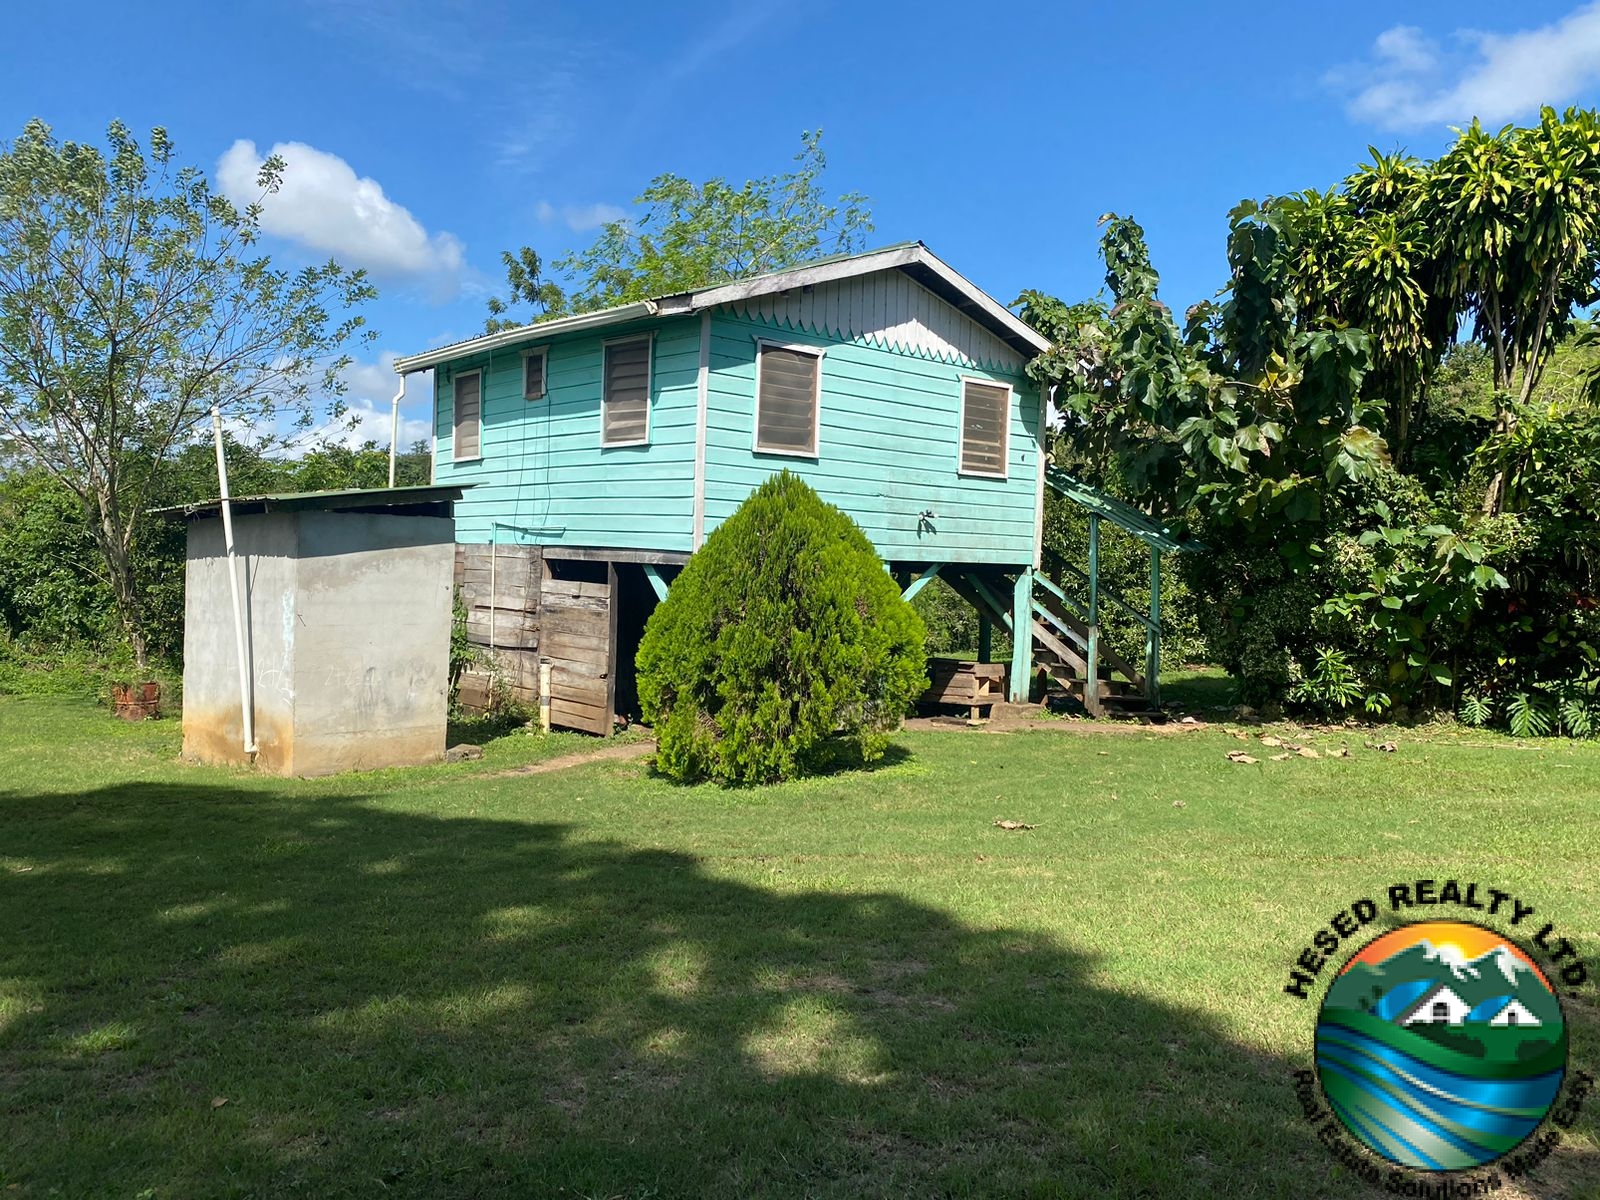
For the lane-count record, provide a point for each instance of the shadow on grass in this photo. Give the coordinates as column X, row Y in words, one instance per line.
column 477, row 730
column 1205, row 689
column 424, row 1007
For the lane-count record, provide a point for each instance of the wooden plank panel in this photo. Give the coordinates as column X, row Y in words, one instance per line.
column 591, row 692
column 576, row 619
column 574, row 667
column 581, row 717
column 583, row 622
column 560, row 641
column 561, row 589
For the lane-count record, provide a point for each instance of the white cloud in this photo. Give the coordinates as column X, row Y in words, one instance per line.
column 324, row 205
column 370, row 387
column 714, row 45
column 580, row 217
column 365, row 422
column 1413, row 81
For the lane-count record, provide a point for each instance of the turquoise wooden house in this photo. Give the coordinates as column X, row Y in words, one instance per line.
column 599, row 450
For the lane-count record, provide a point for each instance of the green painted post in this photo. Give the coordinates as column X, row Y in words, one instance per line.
column 1152, row 636
column 985, row 639
column 1022, row 636
column 1091, row 686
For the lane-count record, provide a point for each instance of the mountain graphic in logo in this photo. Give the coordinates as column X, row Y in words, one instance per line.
column 1440, row 1046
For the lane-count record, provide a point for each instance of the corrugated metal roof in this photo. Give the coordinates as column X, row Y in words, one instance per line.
column 914, row 258
column 1119, row 512
column 347, row 500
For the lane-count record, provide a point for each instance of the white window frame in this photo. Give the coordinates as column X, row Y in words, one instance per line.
column 542, row 353
column 816, row 352
column 455, row 442
column 1005, row 430
column 649, row 387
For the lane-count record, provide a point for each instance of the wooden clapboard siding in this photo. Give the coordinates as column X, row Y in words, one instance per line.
column 544, row 474
column 889, row 445
column 888, row 309
column 889, row 439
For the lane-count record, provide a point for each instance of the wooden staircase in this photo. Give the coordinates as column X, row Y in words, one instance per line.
column 1064, row 640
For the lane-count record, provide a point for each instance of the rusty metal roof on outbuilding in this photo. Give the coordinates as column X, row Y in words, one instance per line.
column 347, row 500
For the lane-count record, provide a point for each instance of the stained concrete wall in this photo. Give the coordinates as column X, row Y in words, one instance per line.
column 349, row 615
column 213, row 723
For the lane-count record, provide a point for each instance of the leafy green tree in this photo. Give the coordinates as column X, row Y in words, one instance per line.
column 52, row 590
column 1246, row 414
column 1395, row 514
column 695, row 234
column 782, row 632
column 132, row 301
column 525, row 286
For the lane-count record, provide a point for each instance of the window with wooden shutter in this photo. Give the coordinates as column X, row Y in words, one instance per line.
column 625, row 403
column 788, row 386
column 533, row 374
column 468, row 430
column 985, row 411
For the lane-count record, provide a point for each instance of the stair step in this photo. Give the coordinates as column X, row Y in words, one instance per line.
column 1050, row 660
column 1108, row 682
column 1111, row 690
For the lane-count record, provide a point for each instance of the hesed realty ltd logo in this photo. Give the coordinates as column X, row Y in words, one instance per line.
column 1440, row 1042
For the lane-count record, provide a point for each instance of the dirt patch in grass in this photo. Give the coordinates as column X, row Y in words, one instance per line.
column 626, row 750
column 1012, row 718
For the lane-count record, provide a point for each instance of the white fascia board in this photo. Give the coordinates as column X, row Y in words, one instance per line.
column 850, row 268
column 525, row 333
column 783, row 281
column 990, row 306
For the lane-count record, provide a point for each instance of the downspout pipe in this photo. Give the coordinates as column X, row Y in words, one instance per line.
column 241, row 636
column 394, row 426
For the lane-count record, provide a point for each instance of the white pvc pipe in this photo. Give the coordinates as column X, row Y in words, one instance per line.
column 246, row 700
column 394, row 426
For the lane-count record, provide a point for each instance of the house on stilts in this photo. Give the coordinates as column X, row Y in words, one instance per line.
column 597, row 452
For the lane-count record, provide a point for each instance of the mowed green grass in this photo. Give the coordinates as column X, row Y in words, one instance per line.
column 590, row 982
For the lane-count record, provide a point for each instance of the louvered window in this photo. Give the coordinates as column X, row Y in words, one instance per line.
column 625, row 409
column 468, row 430
column 985, row 408
column 786, row 400
column 533, row 374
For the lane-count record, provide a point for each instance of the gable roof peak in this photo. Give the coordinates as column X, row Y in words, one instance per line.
column 912, row 258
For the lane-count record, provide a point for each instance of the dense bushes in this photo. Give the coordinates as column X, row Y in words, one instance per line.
column 783, row 631
column 55, row 602
column 1385, row 428
column 52, row 588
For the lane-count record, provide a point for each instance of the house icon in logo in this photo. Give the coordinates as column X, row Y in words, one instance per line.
column 1440, row 1005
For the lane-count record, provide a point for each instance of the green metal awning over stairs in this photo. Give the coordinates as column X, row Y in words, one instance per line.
column 1063, row 631
column 1119, row 512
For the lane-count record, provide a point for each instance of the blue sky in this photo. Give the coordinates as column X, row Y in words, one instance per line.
column 426, row 135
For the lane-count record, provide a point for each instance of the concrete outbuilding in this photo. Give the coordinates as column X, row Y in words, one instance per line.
column 346, row 598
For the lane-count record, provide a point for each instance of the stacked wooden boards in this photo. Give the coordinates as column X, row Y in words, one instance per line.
column 499, row 587
column 972, row 685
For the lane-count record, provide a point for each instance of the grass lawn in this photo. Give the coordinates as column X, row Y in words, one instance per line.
column 448, row 982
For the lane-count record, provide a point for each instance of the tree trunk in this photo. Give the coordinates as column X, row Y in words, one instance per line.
column 1495, row 495
column 113, row 543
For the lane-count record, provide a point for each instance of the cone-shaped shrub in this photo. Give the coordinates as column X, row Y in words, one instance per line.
column 782, row 631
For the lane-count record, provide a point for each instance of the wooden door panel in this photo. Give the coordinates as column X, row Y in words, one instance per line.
column 575, row 634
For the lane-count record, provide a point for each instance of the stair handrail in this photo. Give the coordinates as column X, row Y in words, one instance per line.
column 1106, row 593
